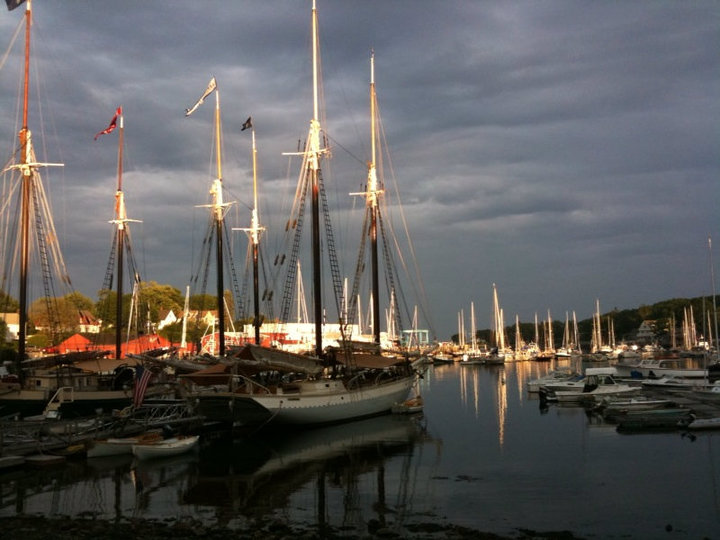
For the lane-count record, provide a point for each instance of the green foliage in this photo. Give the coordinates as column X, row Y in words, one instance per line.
column 203, row 302
column 40, row 341
column 154, row 298
column 8, row 304
column 60, row 313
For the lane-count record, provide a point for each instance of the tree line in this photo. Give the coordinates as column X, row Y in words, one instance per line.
column 53, row 319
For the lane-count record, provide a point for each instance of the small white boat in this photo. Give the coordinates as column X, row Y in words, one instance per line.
column 596, row 387
column 119, row 445
column 409, row 406
column 674, row 382
column 652, row 368
column 165, row 448
column 705, row 423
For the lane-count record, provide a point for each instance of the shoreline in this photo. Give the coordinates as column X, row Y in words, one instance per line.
column 29, row 527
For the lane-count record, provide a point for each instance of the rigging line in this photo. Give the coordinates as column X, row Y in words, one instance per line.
column 21, row 24
column 349, row 153
column 411, row 246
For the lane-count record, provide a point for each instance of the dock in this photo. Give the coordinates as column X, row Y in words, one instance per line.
column 66, row 437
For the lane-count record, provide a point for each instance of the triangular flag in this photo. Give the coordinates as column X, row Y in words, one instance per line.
column 209, row 90
column 113, row 124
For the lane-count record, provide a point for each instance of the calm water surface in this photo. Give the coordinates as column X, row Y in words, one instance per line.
column 484, row 455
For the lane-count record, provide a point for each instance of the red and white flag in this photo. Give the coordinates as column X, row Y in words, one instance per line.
column 112, row 126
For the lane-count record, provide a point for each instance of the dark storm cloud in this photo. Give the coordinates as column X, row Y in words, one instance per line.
column 565, row 150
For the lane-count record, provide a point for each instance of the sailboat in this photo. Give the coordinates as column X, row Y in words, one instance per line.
column 565, row 350
column 473, row 355
column 498, row 353
column 331, row 385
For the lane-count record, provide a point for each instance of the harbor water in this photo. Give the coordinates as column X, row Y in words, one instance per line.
column 484, row 455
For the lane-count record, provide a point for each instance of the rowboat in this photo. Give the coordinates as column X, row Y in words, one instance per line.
column 120, row 445
column 165, row 448
column 409, row 406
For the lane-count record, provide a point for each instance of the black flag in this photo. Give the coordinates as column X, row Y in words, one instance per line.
column 12, row 4
column 247, row 124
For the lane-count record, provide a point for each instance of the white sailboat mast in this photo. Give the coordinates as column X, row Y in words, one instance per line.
column 186, row 313
column 576, row 334
column 253, row 233
column 472, row 326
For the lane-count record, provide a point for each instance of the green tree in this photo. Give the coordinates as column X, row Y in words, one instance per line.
column 203, row 302
column 105, row 308
column 61, row 313
column 154, row 298
column 7, row 303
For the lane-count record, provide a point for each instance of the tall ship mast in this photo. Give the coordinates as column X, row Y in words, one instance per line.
column 32, row 201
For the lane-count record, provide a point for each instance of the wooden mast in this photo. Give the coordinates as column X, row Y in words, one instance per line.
column 255, row 237
column 218, row 210
column 27, row 167
column 26, row 159
column 372, row 202
column 314, row 168
column 119, row 216
column 218, row 214
column 123, row 240
column 253, row 233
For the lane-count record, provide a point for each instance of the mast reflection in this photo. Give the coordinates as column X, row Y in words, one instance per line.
column 320, row 476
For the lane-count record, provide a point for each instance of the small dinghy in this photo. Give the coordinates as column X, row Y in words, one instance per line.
column 165, row 448
column 409, row 406
column 120, row 445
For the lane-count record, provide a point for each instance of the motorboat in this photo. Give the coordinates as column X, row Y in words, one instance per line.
column 651, row 368
column 595, row 388
column 556, row 375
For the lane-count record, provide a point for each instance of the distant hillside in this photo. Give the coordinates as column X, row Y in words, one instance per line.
column 627, row 321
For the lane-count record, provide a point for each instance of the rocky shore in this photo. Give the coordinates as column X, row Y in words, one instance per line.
column 41, row 528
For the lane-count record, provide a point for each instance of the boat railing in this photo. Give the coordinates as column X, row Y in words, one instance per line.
column 356, row 381
column 60, row 396
column 252, row 386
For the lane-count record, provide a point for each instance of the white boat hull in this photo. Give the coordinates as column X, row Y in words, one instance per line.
column 119, row 446
column 327, row 402
column 165, row 448
column 597, row 394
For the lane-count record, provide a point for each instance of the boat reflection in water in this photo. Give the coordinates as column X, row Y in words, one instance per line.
column 357, row 472
column 338, row 476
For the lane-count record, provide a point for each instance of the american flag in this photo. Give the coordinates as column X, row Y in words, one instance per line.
column 142, row 378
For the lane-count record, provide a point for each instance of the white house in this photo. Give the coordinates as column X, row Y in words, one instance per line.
column 167, row 319
column 646, row 331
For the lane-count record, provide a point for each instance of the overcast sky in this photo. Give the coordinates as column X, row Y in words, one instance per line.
column 566, row 151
